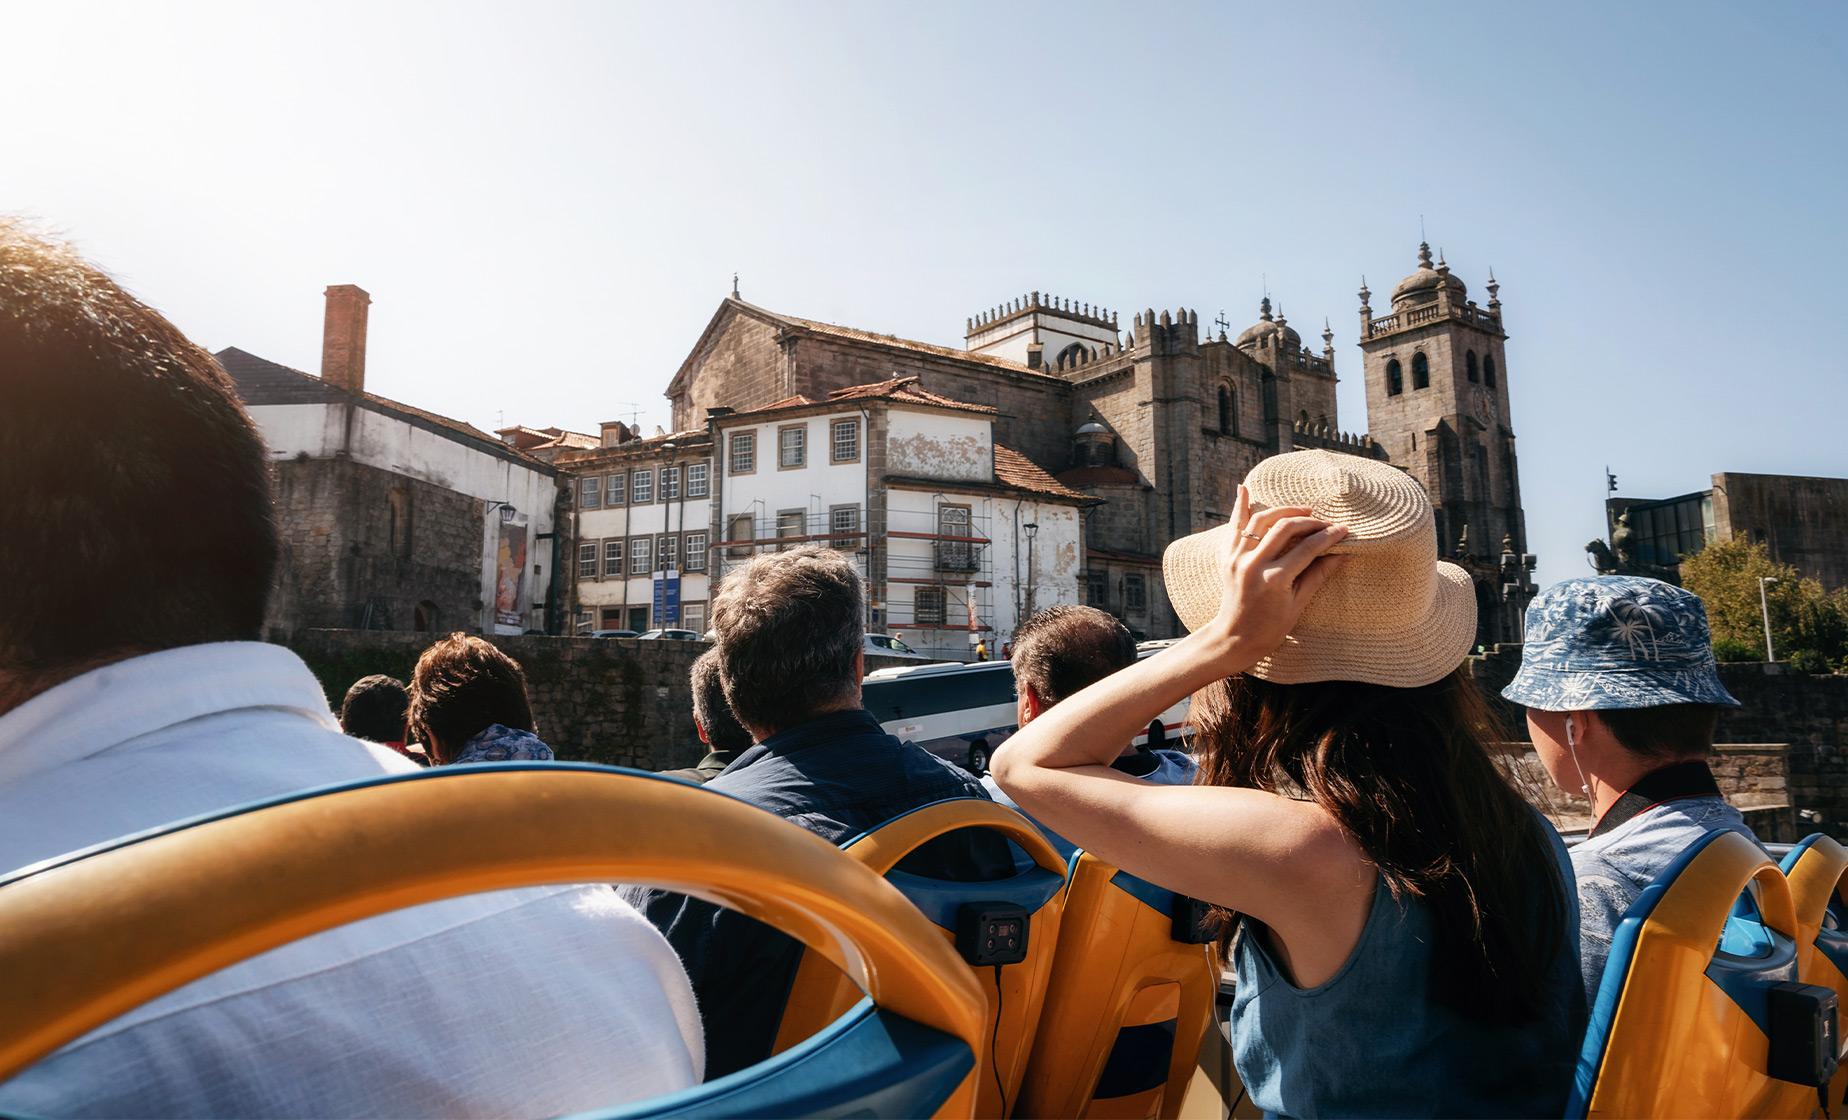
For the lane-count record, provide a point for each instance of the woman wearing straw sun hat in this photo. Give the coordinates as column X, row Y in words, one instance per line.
column 1398, row 917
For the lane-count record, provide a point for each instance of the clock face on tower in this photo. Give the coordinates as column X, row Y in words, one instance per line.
column 1483, row 409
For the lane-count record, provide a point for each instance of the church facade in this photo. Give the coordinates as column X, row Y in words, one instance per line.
column 1155, row 422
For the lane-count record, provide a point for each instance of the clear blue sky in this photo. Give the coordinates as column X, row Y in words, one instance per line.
column 547, row 200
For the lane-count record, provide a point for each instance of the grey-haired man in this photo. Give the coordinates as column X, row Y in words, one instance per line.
column 1622, row 696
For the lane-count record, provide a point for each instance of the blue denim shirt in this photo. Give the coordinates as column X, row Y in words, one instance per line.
column 838, row 776
column 1613, row 869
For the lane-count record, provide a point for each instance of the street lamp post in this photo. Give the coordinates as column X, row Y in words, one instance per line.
column 1764, row 608
column 1032, row 529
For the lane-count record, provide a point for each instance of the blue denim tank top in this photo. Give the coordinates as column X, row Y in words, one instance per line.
column 1370, row 1041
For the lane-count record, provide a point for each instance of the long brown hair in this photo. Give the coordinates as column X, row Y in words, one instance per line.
column 1407, row 773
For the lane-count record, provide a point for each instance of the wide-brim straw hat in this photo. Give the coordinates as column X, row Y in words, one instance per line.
column 1394, row 615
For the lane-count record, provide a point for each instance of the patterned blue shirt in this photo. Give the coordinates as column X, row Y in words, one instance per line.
column 839, row 775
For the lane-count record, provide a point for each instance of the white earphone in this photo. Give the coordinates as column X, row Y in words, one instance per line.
column 1572, row 749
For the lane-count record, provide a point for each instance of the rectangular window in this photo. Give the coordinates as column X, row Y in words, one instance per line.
column 1135, row 593
column 641, row 487
column 612, row 559
column 696, row 553
column 693, row 617
column 584, row 625
column 668, row 553
column 844, row 523
column 845, row 441
column 640, row 556
column 927, row 606
column 740, row 529
column 590, row 493
column 788, row 524
column 792, row 447
column 955, row 553
column 744, row 453
column 587, row 560
column 670, row 483
column 616, row 492
column 1097, row 589
column 699, row 479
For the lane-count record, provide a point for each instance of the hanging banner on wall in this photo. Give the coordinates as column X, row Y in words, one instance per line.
column 510, row 574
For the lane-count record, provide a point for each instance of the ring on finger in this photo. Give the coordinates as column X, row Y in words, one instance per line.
column 1251, row 536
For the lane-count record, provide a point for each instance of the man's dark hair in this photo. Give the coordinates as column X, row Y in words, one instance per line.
column 137, row 514
column 1062, row 650
column 1664, row 732
column 462, row 686
column 723, row 731
column 789, row 626
column 375, row 709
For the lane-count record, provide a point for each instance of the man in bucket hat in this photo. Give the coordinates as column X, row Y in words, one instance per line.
column 1622, row 695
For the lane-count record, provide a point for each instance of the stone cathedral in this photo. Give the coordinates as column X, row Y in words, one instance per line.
column 1160, row 421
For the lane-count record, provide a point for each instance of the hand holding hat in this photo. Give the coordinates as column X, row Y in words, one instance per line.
column 1272, row 563
column 1394, row 615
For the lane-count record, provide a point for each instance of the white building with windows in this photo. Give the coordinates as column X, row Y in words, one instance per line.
column 642, row 514
column 959, row 539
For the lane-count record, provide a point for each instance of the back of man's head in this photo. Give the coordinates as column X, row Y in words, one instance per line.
column 137, row 514
column 462, row 686
column 1061, row 650
column 375, row 709
column 790, row 627
column 1665, row 733
column 723, row 731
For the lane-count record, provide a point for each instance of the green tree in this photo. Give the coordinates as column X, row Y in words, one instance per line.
column 1806, row 622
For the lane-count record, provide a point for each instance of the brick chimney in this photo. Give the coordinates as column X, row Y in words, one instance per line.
column 343, row 338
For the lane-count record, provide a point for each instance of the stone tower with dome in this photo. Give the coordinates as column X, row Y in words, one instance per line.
column 1437, row 402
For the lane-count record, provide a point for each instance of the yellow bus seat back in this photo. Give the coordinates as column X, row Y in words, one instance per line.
column 87, row 938
column 1132, row 996
column 820, row 992
column 1680, row 1025
column 1816, row 868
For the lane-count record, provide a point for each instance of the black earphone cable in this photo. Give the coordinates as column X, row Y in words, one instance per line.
column 994, row 1039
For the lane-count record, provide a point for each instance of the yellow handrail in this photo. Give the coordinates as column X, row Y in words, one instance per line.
column 83, row 943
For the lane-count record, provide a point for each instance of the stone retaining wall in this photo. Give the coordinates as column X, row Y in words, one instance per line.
column 617, row 701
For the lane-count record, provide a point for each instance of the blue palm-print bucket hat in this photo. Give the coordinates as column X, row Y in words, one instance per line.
column 1616, row 642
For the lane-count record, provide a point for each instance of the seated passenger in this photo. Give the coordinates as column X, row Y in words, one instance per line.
column 1622, row 695
column 724, row 736
column 789, row 632
column 134, row 693
column 1397, row 916
column 469, row 704
column 375, row 709
column 1064, row 649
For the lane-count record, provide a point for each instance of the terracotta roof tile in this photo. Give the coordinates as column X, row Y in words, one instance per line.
column 1016, row 470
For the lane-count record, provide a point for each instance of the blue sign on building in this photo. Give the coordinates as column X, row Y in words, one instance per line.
column 667, row 598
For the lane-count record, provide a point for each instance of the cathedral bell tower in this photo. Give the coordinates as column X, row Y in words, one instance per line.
column 1437, row 401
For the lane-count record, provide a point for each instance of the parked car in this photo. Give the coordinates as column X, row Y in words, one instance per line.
column 887, row 646
column 671, row 636
column 961, row 713
column 614, row 634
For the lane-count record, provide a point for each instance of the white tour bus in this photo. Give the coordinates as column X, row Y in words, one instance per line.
column 962, row 712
